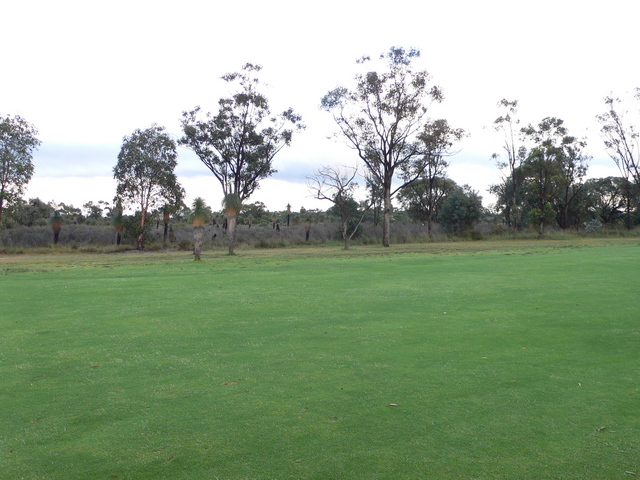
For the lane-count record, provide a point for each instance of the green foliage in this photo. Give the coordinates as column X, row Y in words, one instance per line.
column 201, row 212
column 17, row 143
column 32, row 213
column 256, row 211
column 95, row 212
column 131, row 227
column 354, row 229
column 621, row 138
column 56, row 225
column 145, row 170
column 552, row 172
column 609, row 198
column 231, row 204
column 238, row 143
column 384, row 120
column 460, row 210
column 423, row 198
column 593, row 226
column 145, row 173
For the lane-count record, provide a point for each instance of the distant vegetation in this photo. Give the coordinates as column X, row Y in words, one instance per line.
column 92, row 228
column 402, row 153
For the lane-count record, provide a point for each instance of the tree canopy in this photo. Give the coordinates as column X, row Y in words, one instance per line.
column 145, row 172
column 621, row 138
column 239, row 142
column 18, row 141
column 384, row 119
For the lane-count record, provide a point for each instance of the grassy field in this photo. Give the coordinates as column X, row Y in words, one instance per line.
column 488, row 360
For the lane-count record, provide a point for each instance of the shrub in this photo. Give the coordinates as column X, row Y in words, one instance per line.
column 185, row 245
column 593, row 226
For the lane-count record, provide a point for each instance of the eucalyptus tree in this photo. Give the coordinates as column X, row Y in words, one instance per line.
column 18, row 142
column 621, row 138
column 239, row 142
column 423, row 198
column 382, row 119
column 145, row 173
column 573, row 168
column 374, row 196
column 622, row 142
column 553, row 171
column 337, row 185
column 516, row 152
column 607, row 199
column 431, row 185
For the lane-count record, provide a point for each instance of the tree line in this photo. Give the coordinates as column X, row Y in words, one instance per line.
column 402, row 155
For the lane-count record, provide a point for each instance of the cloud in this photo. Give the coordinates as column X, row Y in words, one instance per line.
column 54, row 160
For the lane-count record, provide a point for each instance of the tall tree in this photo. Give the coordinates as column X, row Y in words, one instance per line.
column 374, row 192
column 553, row 166
column 573, row 168
column 622, row 142
column 338, row 185
column 145, row 173
column 423, row 198
column 382, row 119
column 607, row 199
column 507, row 124
column 438, row 138
column 621, row 138
column 238, row 143
column 17, row 143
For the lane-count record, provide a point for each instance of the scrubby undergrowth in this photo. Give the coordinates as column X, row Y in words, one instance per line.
column 102, row 238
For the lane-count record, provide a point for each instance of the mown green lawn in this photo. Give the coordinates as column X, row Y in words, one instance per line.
column 437, row 362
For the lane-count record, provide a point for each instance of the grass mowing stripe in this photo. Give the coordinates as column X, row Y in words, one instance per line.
column 502, row 364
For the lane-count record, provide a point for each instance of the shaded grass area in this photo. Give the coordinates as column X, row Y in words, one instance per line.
column 518, row 361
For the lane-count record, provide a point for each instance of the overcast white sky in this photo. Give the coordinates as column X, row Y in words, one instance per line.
column 87, row 73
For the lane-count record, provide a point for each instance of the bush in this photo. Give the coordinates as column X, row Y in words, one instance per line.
column 593, row 226
column 185, row 245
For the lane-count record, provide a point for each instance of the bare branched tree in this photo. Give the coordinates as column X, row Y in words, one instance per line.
column 338, row 185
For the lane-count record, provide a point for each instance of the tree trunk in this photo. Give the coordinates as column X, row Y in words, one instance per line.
column 231, row 228
column 347, row 238
column 141, row 234
column 198, row 239
column 507, row 215
column 386, row 225
column 628, row 206
column 56, row 232
column 1, row 205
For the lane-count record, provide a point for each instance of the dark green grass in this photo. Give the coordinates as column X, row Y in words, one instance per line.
column 503, row 364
